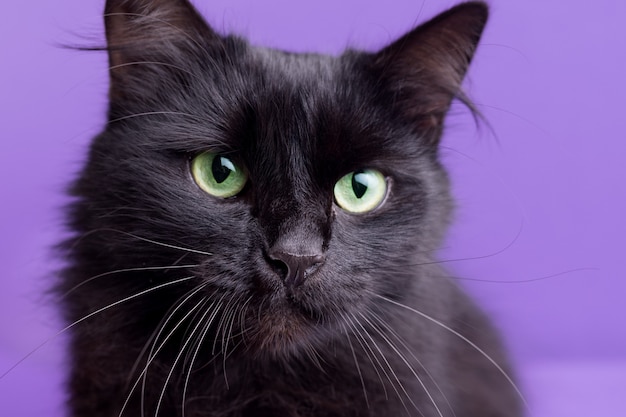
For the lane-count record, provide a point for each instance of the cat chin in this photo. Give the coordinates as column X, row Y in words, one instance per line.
column 285, row 330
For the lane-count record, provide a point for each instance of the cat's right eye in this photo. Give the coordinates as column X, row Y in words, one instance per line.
column 218, row 175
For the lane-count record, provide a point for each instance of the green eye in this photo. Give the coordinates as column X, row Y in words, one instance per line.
column 218, row 175
column 360, row 191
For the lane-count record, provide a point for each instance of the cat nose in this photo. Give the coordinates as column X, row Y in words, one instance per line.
column 295, row 269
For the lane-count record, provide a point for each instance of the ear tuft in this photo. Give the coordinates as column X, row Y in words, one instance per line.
column 425, row 68
column 144, row 31
column 149, row 25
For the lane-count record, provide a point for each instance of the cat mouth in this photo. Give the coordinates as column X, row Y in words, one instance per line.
column 286, row 327
column 288, row 299
column 289, row 306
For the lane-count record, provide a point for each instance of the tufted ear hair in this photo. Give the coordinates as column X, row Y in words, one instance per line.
column 150, row 31
column 424, row 69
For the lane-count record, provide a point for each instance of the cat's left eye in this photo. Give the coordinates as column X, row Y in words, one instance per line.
column 218, row 175
column 361, row 191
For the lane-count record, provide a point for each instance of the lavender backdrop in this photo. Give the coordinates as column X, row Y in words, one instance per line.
column 542, row 197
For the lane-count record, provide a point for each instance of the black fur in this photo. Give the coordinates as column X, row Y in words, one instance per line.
column 166, row 279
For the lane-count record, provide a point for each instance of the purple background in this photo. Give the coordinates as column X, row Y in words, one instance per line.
column 542, row 195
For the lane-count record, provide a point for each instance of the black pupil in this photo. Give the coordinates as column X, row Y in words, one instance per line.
column 220, row 169
column 358, row 187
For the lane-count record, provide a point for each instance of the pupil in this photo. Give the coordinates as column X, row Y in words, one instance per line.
column 221, row 168
column 359, row 184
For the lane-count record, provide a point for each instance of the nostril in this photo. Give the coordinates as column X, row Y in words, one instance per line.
column 294, row 269
column 315, row 263
column 278, row 266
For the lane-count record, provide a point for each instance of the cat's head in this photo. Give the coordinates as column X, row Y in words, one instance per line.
column 294, row 185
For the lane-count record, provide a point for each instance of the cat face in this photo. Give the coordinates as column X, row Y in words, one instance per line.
column 295, row 186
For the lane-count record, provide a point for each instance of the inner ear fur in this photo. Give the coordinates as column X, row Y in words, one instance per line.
column 424, row 69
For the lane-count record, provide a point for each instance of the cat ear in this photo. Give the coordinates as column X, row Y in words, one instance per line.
column 424, row 69
column 143, row 31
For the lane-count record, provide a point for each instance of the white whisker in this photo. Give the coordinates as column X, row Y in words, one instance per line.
column 156, row 334
column 370, row 354
column 403, row 359
column 203, row 334
column 166, row 245
column 88, row 316
column 180, row 354
column 465, row 339
column 151, row 358
column 391, row 370
column 410, row 351
column 225, row 322
column 154, row 351
column 356, row 363
column 118, row 271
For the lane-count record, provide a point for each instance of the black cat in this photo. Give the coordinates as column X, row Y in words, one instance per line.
column 254, row 230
